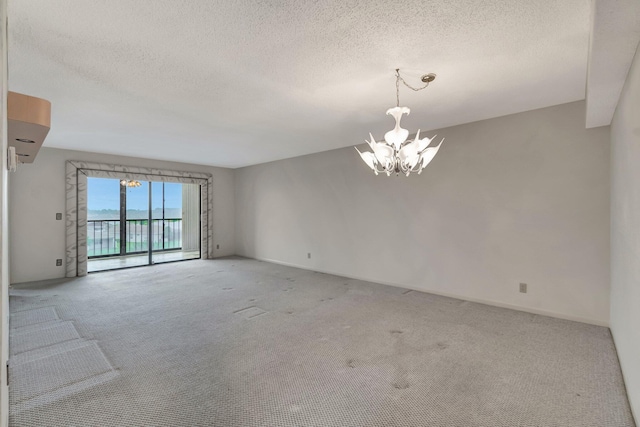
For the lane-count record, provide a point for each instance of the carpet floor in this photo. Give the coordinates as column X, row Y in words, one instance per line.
column 238, row 342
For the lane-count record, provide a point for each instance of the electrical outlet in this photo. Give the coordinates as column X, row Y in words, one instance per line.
column 309, row 255
column 217, row 246
column 59, row 262
column 523, row 288
column 58, row 216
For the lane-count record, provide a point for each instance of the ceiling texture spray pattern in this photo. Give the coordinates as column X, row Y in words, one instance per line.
column 236, row 83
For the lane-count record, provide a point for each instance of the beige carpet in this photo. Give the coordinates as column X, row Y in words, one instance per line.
column 237, row 342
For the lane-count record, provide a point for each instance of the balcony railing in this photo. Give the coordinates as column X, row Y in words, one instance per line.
column 103, row 236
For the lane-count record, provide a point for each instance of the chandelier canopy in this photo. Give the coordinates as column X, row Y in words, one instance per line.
column 395, row 154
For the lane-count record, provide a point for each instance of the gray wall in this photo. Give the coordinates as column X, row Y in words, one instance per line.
column 625, row 232
column 521, row 198
column 37, row 192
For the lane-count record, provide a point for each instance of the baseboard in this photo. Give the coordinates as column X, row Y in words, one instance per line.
column 563, row 316
column 4, row 406
column 636, row 416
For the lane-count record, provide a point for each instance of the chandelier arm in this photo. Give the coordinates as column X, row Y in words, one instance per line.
column 383, row 170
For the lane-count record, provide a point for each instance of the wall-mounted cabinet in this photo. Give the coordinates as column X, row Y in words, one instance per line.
column 29, row 121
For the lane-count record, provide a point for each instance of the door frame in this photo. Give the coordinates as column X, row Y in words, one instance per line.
column 76, row 210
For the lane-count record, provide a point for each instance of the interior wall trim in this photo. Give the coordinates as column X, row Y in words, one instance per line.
column 76, row 175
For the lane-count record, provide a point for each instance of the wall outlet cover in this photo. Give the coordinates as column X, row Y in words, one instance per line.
column 58, row 216
column 523, row 288
column 59, row 262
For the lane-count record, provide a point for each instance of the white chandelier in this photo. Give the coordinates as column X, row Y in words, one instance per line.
column 395, row 154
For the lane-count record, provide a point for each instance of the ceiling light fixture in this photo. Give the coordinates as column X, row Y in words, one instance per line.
column 128, row 183
column 395, row 154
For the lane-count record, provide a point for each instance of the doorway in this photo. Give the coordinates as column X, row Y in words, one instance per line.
column 76, row 174
column 133, row 223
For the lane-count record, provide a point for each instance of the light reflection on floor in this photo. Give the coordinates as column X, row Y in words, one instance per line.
column 111, row 263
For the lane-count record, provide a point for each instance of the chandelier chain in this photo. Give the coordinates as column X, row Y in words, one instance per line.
column 400, row 79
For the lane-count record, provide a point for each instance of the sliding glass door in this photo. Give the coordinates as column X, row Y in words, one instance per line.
column 132, row 223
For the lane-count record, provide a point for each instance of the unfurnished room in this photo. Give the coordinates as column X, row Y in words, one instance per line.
column 320, row 213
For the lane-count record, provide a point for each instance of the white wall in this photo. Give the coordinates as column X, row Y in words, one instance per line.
column 37, row 192
column 625, row 232
column 521, row 198
column 4, row 221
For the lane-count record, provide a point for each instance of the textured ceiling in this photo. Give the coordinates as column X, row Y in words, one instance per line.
column 235, row 83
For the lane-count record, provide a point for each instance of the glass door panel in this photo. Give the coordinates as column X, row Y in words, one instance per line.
column 157, row 213
column 103, row 217
column 136, row 222
column 172, row 215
